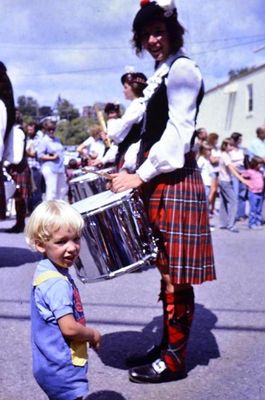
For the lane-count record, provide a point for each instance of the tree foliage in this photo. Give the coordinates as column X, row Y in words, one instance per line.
column 28, row 106
column 65, row 109
column 235, row 73
column 71, row 127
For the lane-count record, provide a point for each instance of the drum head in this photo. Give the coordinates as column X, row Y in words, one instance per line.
column 99, row 200
column 84, row 177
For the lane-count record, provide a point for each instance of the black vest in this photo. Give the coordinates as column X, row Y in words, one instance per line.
column 133, row 136
column 156, row 117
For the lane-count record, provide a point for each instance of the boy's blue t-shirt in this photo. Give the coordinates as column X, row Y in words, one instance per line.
column 52, row 355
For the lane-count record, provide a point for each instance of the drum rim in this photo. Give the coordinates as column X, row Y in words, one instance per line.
column 117, row 197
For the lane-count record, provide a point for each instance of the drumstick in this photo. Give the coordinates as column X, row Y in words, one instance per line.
column 104, row 174
column 103, row 125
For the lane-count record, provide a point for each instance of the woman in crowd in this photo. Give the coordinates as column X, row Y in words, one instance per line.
column 50, row 152
column 172, row 186
column 7, row 120
column 237, row 157
column 228, row 198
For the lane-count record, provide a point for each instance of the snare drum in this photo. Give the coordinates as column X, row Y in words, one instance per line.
column 88, row 184
column 117, row 237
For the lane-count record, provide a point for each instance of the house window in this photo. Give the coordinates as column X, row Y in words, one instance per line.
column 249, row 98
column 230, row 110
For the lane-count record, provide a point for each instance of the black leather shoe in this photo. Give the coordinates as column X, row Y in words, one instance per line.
column 16, row 229
column 157, row 372
column 150, row 356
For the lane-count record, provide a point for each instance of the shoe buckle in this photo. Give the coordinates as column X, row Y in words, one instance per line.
column 159, row 366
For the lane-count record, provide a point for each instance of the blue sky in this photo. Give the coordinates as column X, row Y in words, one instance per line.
column 79, row 48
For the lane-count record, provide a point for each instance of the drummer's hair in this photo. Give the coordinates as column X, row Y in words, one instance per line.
column 48, row 217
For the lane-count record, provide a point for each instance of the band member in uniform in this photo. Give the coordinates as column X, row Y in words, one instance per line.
column 172, row 186
column 125, row 131
column 7, row 120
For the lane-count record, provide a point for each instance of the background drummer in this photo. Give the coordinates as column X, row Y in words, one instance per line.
column 125, row 131
column 94, row 146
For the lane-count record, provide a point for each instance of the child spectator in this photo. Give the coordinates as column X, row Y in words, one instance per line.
column 255, row 194
column 59, row 334
column 206, row 167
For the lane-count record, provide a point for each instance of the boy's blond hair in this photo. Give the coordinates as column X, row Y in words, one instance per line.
column 48, row 217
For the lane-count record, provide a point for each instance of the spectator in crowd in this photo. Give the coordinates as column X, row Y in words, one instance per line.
column 212, row 141
column 237, row 157
column 31, row 150
column 206, row 168
column 200, row 138
column 256, row 191
column 51, row 155
column 228, row 199
column 58, row 325
column 20, row 173
column 7, row 120
column 257, row 146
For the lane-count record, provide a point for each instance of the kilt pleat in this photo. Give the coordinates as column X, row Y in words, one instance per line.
column 23, row 183
column 178, row 211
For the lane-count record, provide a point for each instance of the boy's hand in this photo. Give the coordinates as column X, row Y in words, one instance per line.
column 95, row 341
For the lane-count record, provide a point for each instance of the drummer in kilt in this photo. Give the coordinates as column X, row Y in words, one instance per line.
column 20, row 173
column 172, row 186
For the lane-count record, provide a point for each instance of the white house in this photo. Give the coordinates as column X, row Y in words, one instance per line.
column 237, row 105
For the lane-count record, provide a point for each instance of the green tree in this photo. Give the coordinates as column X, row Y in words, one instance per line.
column 65, row 109
column 75, row 131
column 28, row 106
column 45, row 111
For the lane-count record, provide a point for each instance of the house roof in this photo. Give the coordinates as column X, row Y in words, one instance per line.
column 240, row 75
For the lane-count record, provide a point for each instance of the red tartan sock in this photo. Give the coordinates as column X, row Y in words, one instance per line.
column 180, row 310
column 162, row 297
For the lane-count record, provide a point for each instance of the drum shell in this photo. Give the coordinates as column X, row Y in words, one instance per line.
column 10, row 186
column 87, row 185
column 117, row 239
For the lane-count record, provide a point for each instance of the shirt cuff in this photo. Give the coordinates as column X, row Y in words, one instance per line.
column 147, row 171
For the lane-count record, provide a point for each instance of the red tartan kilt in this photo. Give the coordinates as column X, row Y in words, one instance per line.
column 178, row 211
column 23, row 183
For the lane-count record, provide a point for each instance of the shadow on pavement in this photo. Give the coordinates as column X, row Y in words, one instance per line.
column 105, row 395
column 15, row 256
column 203, row 347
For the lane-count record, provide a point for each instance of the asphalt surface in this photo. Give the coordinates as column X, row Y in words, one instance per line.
column 226, row 358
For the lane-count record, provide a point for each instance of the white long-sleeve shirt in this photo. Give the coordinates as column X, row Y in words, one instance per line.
column 3, row 122
column 183, row 85
column 14, row 148
column 118, row 128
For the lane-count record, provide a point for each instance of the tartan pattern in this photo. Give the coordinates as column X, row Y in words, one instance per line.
column 178, row 211
column 23, row 183
column 179, row 311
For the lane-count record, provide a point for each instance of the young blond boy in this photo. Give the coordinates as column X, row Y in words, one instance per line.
column 59, row 334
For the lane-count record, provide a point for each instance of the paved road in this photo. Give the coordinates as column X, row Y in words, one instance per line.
column 226, row 349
